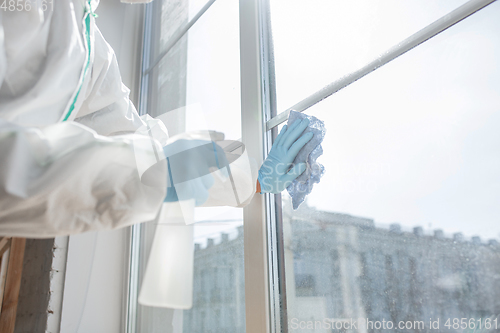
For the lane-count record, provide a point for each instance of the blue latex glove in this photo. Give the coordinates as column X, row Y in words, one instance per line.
column 190, row 163
column 277, row 171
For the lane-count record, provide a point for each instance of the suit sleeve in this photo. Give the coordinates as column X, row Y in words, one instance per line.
column 85, row 174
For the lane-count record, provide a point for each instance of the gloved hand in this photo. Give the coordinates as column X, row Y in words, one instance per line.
column 190, row 163
column 277, row 172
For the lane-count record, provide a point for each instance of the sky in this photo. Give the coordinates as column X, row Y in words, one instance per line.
column 416, row 142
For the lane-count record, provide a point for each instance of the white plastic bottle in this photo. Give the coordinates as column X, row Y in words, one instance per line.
column 168, row 280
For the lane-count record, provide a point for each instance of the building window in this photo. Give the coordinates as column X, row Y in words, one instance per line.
column 305, row 285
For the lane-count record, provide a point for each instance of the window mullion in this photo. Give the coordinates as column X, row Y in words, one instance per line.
column 255, row 221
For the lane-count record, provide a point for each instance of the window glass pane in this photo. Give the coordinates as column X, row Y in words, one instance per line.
column 200, row 77
column 170, row 16
column 317, row 42
column 196, row 86
column 404, row 227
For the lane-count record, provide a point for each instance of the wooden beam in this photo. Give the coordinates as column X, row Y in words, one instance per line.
column 12, row 285
column 4, row 245
column 4, row 262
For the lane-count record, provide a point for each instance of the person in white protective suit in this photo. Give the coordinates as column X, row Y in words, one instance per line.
column 73, row 148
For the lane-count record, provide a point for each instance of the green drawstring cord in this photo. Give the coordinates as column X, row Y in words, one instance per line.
column 90, row 9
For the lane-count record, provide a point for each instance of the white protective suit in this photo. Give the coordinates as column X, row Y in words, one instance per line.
column 71, row 142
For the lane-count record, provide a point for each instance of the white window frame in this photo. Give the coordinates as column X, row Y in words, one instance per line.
column 257, row 216
column 265, row 291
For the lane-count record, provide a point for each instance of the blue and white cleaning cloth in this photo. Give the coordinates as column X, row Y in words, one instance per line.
column 303, row 185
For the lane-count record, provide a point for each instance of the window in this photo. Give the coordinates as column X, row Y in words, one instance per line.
column 403, row 227
column 191, row 81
